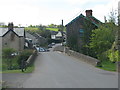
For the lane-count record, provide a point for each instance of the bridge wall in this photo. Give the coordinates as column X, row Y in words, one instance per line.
column 80, row 56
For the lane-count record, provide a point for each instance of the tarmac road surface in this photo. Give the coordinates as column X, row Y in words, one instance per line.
column 57, row 70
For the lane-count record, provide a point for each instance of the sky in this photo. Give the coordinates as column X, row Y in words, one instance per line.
column 45, row 12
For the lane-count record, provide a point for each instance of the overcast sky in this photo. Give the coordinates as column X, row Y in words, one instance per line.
column 35, row 12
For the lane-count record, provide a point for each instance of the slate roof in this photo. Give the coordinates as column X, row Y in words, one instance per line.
column 59, row 34
column 92, row 19
column 17, row 31
column 80, row 16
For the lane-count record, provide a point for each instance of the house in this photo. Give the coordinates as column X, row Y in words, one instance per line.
column 78, row 31
column 12, row 37
column 53, row 34
column 56, row 36
column 41, row 41
column 34, row 39
column 31, row 38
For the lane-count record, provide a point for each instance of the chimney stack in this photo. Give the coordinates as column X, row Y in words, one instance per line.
column 10, row 26
column 88, row 13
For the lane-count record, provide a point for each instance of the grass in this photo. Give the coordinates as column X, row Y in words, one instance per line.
column 108, row 65
column 32, row 29
column 52, row 29
column 30, row 69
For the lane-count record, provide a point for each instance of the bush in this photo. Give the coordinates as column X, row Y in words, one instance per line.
column 24, row 55
column 7, row 57
column 113, row 55
column 103, row 56
column 7, row 52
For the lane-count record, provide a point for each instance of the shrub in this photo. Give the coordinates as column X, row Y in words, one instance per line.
column 113, row 55
column 24, row 55
column 103, row 56
column 7, row 57
column 7, row 52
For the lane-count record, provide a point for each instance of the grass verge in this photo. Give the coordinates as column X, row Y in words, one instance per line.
column 30, row 69
column 108, row 65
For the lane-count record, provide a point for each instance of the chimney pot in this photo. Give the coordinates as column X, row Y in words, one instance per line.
column 88, row 13
column 10, row 26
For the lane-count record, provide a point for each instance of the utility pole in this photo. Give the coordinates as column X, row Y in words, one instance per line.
column 63, row 37
column 62, row 33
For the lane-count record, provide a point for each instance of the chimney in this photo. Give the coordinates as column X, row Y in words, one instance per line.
column 105, row 19
column 10, row 26
column 88, row 13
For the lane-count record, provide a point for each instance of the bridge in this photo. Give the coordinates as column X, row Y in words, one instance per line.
column 55, row 69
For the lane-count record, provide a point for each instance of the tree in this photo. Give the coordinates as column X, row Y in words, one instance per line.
column 52, row 26
column 113, row 54
column 113, row 16
column 102, row 39
column 88, row 27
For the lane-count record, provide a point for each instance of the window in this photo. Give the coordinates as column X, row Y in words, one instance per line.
column 81, row 31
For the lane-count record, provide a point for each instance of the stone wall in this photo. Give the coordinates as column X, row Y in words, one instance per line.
column 80, row 56
column 59, row 48
column 31, row 58
column 15, row 42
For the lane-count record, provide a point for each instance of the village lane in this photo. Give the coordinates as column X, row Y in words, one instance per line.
column 57, row 70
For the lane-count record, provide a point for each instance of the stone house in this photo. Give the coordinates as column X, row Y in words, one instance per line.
column 41, row 41
column 31, row 38
column 78, row 28
column 12, row 37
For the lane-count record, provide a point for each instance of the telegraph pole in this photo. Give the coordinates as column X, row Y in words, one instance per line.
column 62, row 33
column 63, row 37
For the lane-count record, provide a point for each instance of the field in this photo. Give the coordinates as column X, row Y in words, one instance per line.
column 32, row 29
column 52, row 29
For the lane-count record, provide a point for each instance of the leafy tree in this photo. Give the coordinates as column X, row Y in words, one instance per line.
column 52, row 26
column 88, row 27
column 113, row 16
column 102, row 39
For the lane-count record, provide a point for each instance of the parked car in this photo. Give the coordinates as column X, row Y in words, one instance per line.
column 15, row 54
column 47, row 50
column 53, row 43
column 50, row 46
column 41, row 49
column 37, row 48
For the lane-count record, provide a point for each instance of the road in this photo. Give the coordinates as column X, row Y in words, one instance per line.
column 57, row 70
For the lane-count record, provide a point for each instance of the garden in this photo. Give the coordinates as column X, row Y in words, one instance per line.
column 12, row 61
